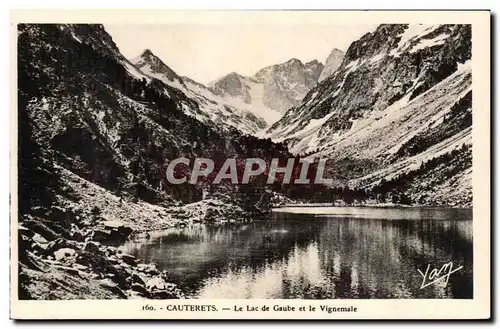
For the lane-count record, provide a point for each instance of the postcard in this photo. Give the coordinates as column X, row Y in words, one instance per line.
column 250, row 164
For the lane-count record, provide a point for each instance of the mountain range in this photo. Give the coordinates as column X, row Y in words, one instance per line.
column 249, row 104
column 96, row 132
column 398, row 111
column 212, row 107
column 399, row 99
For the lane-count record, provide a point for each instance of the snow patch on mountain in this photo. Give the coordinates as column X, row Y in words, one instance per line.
column 413, row 33
column 272, row 90
column 256, row 105
column 134, row 72
column 212, row 107
column 426, row 43
column 399, row 104
column 383, row 132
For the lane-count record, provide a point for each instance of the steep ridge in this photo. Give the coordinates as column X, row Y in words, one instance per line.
column 332, row 63
column 402, row 97
column 272, row 90
column 151, row 65
column 213, row 107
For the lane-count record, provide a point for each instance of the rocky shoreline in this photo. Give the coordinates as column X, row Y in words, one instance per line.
column 71, row 251
column 58, row 264
column 68, row 250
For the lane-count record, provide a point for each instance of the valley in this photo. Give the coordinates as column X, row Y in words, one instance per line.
column 97, row 132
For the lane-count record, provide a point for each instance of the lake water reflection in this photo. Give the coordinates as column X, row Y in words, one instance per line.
column 343, row 253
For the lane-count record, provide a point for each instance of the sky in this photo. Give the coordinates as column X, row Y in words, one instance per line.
column 205, row 52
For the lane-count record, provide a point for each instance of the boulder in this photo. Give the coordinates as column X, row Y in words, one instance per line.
column 163, row 294
column 60, row 243
column 113, row 287
column 120, row 276
column 25, row 231
column 24, row 241
column 111, row 232
column 113, row 259
column 70, row 270
column 39, row 239
column 63, row 216
column 76, row 233
column 128, row 259
column 96, row 262
column 123, row 264
column 37, row 226
column 102, row 235
column 111, row 251
column 156, row 283
column 164, row 275
column 140, row 289
column 148, row 269
column 137, row 279
column 92, row 246
column 64, row 253
column 170, row 291
column 80, row 267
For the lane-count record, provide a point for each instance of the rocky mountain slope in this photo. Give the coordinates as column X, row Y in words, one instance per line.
column 395, row 115
column 332, row 63
column 272, row 90
column 95, row 136
column 96, row 133
column 212, row 107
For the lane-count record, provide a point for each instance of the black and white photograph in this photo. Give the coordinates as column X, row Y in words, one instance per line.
column 246, row 161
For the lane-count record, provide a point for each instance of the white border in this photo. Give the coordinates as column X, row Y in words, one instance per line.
column 424, row 4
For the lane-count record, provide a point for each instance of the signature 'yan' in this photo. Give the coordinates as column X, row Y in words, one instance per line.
column 433, row 276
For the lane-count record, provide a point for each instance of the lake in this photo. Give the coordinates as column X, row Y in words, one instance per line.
column 319, row 253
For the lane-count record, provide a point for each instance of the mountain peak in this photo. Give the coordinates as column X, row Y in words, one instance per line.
column 336, row 51
column 293, row 61
column 314, row 62
column 147, row 52
column 153, row 66
column 233, row 75
column 146, row 55
column 231, row 84
column 332, row 63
